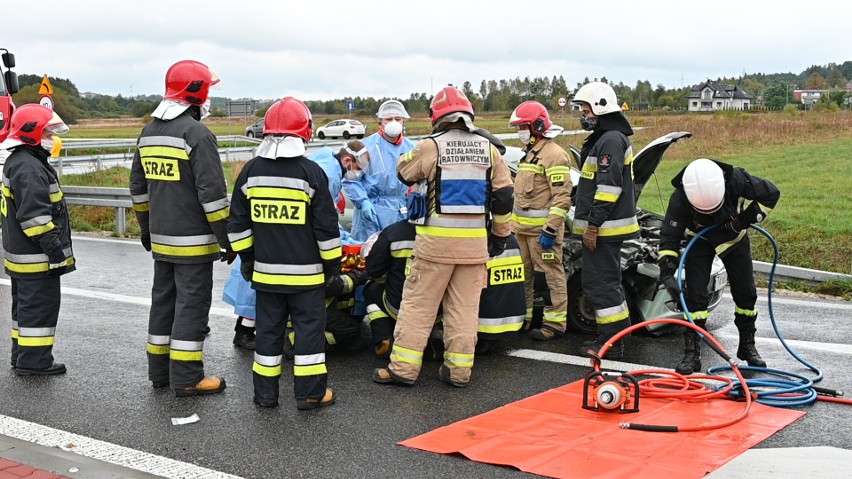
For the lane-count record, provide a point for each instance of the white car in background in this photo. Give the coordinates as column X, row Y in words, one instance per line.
column 342, row 128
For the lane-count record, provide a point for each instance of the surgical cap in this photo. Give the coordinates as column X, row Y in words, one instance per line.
column 392, row 108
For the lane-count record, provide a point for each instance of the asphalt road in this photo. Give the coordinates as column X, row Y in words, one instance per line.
column 106, row 395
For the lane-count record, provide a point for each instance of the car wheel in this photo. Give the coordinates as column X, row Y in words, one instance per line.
column 359, row 136
column 346, row 135
column 581, row 314
column 321, row 135
column 250, row 134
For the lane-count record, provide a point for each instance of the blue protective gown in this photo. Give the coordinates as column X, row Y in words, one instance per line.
column 330, row 164
column 380, row 185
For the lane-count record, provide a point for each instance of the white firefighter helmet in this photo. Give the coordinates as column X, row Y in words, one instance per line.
column 600, row 96
column 704, row 185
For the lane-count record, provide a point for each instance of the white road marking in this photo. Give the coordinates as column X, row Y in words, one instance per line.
column 577, row 360
column 105, row 451
column 795, row 343
column 120, row 298
column 819, row 304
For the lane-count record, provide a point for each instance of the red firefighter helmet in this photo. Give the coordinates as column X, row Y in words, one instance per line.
column 30, row 121
column 449, row 100
column 532, row 114
column 189, row 81
column 289, row 117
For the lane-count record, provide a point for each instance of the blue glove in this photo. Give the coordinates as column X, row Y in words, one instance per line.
column 546, row 241
column 368, row 211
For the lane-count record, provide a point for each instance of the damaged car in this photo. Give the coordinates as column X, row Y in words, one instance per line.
column 646, row 297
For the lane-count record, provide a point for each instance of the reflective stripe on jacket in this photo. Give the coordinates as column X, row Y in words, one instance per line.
column 542, row 189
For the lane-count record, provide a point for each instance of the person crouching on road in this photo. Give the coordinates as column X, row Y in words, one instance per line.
column 464, row 177
column 542, row 201
column 36, row 238
column 181, row 202
column 284, row 226
column 707, row 193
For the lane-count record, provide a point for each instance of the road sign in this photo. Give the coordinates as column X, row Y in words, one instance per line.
column 562, row 101
column 46, row 88
column 46, row 100
column 625, row 106
column 350, row 105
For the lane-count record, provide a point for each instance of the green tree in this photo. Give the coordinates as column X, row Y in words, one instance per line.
column 776, row 96
column 836, row 79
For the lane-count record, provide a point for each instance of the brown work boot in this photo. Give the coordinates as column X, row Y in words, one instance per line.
column 543, row 334
column 444, row 375
column 383, row 349
column 204, row 387
column 386, row 376
column 314, row 403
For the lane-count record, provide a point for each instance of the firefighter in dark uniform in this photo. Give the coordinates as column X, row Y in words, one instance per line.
column 502, row 304
column 388, row 263
column 181, row 202
column 605, row 211
column 342, row 326
column 707, row 193
column 284, row 226
column 36, row 238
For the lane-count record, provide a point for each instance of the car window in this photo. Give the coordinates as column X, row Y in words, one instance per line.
column 355, row 122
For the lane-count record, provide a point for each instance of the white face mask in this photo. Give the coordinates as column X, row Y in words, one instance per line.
column 47, row 144
column 524, row 136
column 205, row 109
column 393, row 129
column 352, row 174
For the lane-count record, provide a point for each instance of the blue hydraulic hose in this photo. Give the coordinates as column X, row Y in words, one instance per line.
column 786, row 389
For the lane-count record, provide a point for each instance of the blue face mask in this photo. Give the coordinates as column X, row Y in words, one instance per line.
column 588, row 124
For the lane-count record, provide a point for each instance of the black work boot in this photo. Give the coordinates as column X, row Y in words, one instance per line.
column 605, row 332
column 244, row 335
column 747, row 350
column 691, row 361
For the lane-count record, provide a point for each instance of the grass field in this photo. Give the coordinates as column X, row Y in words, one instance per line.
column 807, row 155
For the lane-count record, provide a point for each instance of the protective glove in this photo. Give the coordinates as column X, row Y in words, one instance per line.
column 547, row 238
column 671, row 286
column 668, row 266
column 359, row 276
column 590, row 238
column 734, row 225
column 146, row 242
column 227, row 256
column 246, row 268
column 496, row 245
column 368, row 211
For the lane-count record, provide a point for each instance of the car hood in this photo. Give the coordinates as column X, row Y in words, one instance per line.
column 644, row 163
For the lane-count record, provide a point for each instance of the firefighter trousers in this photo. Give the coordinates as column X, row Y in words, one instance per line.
column 550, row 263
column 459, row 286
column 601, row 281
column 306, row 310
column 180, row 308
column 738, row 264
column 35, row 312
column 380, row 312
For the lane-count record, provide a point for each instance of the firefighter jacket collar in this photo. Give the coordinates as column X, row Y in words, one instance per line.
column 169, row 109
column 273, row 147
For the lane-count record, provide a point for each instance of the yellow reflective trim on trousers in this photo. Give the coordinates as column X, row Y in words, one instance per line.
column 185, row 250
column 697, row 315
column 176, row 355
column 445, row 232
column 162, row 349
column 142, row 207
column 14, row 334
column 745, row 312
column 500, row 219
column 164, row 152
column 555, row 316
column 606, row 197
column 331, row 254
column 459, row 360
column 312, row 370
column 278, row 193
column 32, row 342
column 56, row 197
column 243, row 244
column 406, row 355
column 502, row 328
column 523, row 220
column 25, row 267
column 528, row 314
column 329, row 338
column 222, row 214
column 39, row 230
column 668, row 252
column 612, row 318
column 289, row 279
column 378, row 314
column 267, row 371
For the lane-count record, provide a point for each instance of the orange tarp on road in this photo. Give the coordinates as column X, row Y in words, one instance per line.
column 550, row 434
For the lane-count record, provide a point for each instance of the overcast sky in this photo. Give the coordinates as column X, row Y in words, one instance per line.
column 319, row 50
